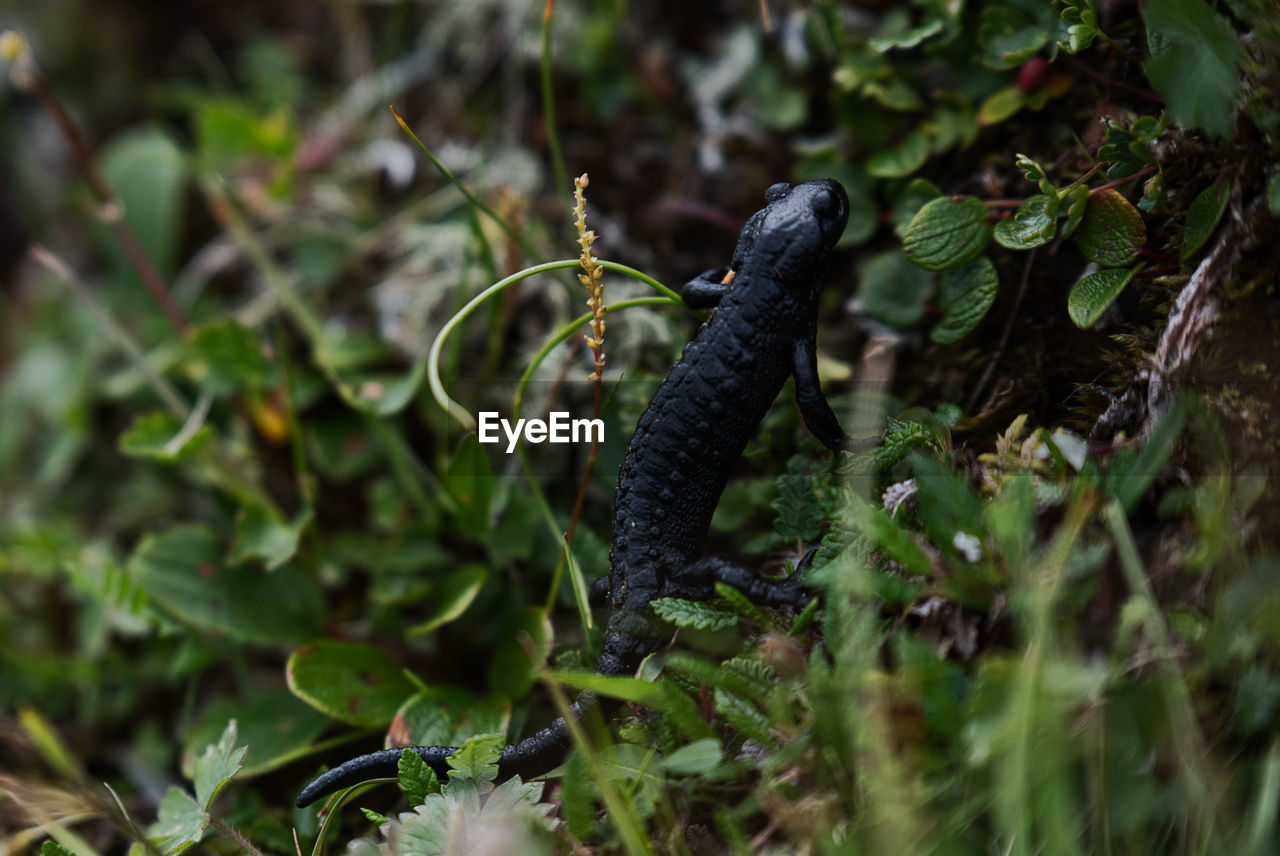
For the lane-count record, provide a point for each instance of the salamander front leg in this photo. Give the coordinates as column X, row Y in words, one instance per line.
column 705, row 290
column 818, row 415
column 758, row 589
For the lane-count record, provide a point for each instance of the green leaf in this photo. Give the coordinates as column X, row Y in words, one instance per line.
column 477, row 759
column 180, row 822
column 1131, row 476
column 1034, row 224
column 901, row 160
column 458, row 821
column 742, row 715
column 632, row 690
column 509, row 666
column 947, row 233
column 260, row 534
column 446, row 716
column 1193, row 53
column 908, row 38
column 224, row 356
column 800, row 514
column 1035, row 174
column 690, row 613
column 1112, row 230
column 217, row 765
column 887, row 533
column 350, row 681
column 183, row 572
column 1202, row 218
column 893, row 290
column 53, row 848
column 919, row 192
column 469, row 481
column 1001, row 104
column 275, row 725
column 700, row 756
column 148, row 172
column 452, row 595
column 416, row 778
column 1009, row 37
column 964, row 295
column 159, row 435
column 1081, row 16
column 1091, row 296
column 1077, row 204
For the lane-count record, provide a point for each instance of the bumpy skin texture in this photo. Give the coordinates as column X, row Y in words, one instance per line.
column 694, row 430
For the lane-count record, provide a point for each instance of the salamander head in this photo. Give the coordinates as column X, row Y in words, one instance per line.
column 799, row 228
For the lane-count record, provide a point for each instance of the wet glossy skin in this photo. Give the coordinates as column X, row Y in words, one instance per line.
column 685, row 444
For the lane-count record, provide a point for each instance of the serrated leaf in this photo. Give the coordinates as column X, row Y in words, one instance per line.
column 180, row 822
column 477, row 759
column 1091, row 296
column 886, row 533
column 182, row 570
column 416, row 778
column 457, row 822
column 224, row 356
column 901, row 160
column 690, row 613
column 1009, row 37
column 965, row 295
column 215, row 767
column 159, row 435
column 947, row 233
column 452, row 595
column 351, row 682
column 1202, row 218
column 1035, row 174
column 743, row 716
column 1193, row 53
column 1112, row 230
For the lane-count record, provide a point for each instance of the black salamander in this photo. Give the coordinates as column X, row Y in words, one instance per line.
column 696, row 427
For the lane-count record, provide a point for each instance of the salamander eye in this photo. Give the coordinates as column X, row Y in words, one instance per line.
column 776, row 192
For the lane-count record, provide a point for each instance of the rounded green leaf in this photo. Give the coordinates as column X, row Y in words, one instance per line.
column 183, row 572
column 351, row 682
column 1112, row 229
column 452, row 595
column 275, row 726
column 901, row 160
column 947, row 233
column 1092, row 295
column 1202, row 218
column 965, row 295
column 447, row 716
column 893, row 290
column 1009, row 37
column 700, row 756
column 1000, row 105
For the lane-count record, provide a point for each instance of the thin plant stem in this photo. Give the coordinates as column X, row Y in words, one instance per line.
column 165, row 391
column 549, row 101
column 111, row 212
column 280, row 283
